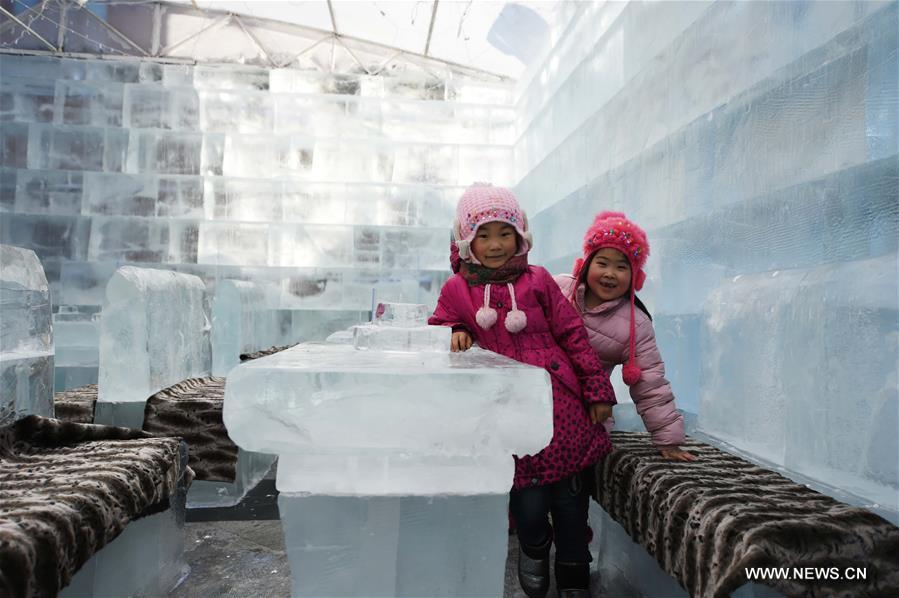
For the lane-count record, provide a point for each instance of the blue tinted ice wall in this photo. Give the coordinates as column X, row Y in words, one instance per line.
column 757, row 144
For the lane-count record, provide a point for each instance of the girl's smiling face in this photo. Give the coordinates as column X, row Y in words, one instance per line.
column 608, row 277
column 494, row 243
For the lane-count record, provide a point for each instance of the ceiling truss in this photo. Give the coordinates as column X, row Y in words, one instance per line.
column 351, row 45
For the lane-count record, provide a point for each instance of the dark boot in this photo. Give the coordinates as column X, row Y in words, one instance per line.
column 573, row 580
column 533, row 568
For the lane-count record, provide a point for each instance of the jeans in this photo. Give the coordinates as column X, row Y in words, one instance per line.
column 567, row 500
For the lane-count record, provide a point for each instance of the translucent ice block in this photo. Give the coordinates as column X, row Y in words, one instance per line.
column 241, row 323
column 26, row 336
column 401, row 327
column 395, row 545
column 153, row 333
column 76, row 336
column 66, row 147
column 401, row 338
column 249, row 470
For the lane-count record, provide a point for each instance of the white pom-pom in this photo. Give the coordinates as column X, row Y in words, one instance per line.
column 462, row 245
column 486, row 317
column 516, row 320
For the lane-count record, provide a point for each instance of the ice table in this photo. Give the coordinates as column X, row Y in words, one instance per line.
column 394, row 466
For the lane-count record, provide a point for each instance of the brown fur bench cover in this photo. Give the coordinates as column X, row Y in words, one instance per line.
column 264, row 352
column 76, row 405
column 192, row 409
column 705, row 521
column 68, row 489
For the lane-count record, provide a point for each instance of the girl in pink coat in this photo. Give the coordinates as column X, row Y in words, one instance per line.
column 603, row 291
column 507, row 306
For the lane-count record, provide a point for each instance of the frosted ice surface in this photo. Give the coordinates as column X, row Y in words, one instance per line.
column 25, row 325
column 401, row 314
column 401, row 327
column 26, row 336
column 153, row 333
column 166, row 152
column 81, row 103
column 395, row 546
column 303, row 401
column 775, row 387
column 154, row 107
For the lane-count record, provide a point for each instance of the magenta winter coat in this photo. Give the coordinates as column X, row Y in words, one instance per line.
column 554, row 339
column 608, row 328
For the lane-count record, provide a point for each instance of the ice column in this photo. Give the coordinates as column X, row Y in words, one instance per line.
column 393, row 462
column 26, row 336
column 153, row 333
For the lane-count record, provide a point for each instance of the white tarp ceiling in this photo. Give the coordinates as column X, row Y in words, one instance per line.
column 499, row 37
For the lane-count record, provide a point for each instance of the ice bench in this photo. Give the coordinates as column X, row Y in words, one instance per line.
column 705, row 522
column 67, row 490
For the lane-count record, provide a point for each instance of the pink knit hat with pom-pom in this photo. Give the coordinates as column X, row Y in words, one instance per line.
column 479, row 204
column 613, row 229
column 482, row 202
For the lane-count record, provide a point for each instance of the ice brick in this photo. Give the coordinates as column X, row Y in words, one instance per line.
column 153, row 333
column 249, row 470
column 385, row 546
column 401, row 327
column 26, row 336
column 242, row 322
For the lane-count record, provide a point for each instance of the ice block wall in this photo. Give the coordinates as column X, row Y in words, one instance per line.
column 26, row 336
column 153, row 333
column 325, row 186
column 756, row 142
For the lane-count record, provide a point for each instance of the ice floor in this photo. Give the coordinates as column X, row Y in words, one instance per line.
column 239, row 551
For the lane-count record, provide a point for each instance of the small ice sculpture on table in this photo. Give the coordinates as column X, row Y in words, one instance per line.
column 395, row 455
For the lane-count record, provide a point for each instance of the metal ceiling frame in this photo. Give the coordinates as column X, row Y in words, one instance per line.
column 419, row 60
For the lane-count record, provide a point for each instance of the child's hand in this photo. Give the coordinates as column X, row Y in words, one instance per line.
column 600, row 412
column 461, row 341
column 677, row 454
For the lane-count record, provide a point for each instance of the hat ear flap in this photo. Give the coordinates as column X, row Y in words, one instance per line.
column 464, row 251
column 639, row 279
column 529, row 239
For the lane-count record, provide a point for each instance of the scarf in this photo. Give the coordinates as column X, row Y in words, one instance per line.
column 476, row 274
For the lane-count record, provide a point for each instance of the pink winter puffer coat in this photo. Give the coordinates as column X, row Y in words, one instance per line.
column 554, row 339
column 608, row 328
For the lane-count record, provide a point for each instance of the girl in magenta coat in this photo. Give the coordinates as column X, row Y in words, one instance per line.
column 497, row 300
column 603, row 289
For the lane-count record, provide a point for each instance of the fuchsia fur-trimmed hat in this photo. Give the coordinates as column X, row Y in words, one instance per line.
column 482, row 202
column 613, row 229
